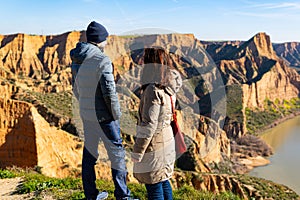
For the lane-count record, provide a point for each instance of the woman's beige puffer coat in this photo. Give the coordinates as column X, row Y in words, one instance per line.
column 154, row 147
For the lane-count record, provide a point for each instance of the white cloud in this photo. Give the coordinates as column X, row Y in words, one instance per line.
column 281, row 5
column 264, row 15
column 280, row 10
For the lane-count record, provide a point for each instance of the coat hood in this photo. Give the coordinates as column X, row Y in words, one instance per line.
column 174, row 82
column 83, row 51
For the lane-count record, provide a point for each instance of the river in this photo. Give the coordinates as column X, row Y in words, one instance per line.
column 285, row 163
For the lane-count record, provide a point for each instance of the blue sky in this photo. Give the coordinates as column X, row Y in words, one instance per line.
column 207, row 19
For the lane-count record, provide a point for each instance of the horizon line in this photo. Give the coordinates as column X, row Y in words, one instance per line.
column 137, row 34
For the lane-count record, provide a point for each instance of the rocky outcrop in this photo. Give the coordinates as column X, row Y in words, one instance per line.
column 54, row 54
column 19, row 54
column 31, row 141
column 17, row 143
column 253, row 73
column 219, row 50
column 255, row 65
column 58, row 154
column 279, row 82
column 248, row 152
column 185, row 50
column 207, row 143
column 37, row 56
column 247, row 62
column 244, row 186
column 290, row 52
column 218, row 183
column 260, row 73
column 7, row 89
column 27, row 140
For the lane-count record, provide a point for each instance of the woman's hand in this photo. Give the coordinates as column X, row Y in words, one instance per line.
column 134, row 160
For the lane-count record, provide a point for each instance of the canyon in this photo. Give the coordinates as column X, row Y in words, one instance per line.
column 221, row 81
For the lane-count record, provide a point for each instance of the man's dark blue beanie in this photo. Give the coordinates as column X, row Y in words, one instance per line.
column 95, row 32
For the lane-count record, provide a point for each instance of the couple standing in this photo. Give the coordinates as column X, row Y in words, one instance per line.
column 94, row 87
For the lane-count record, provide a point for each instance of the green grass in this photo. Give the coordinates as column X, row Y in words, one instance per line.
column 71, row 188
column 258, row 119
column 37, row 182
column 7, row 174
column 268, row 189
column 187, row 192
column 60, row 103
column 234, row 95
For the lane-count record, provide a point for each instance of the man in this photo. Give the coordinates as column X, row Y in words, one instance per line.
column 94, row 87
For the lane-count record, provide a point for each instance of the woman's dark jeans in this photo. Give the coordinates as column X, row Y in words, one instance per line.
column 159, row 191
column 109, row 132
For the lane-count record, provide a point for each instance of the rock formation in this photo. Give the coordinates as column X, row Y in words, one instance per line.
column 40, row 64
column 245, row 187
column 28, row 140
column 37, row 56
column 253, row 73
column 290, row 52
column 248, row 71
column 255, row 67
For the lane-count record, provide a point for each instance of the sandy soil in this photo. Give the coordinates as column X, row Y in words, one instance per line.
column 8, row 186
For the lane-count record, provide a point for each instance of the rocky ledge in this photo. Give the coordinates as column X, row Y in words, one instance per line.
column 248, row 152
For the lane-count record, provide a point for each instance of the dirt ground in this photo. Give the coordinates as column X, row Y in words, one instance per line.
column 8, row 186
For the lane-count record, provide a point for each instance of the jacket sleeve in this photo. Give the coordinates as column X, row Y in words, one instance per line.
column 74, row 70
column 108, row 88
column 148, row 126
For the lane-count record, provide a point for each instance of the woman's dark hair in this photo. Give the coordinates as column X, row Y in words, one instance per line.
column 156, row 66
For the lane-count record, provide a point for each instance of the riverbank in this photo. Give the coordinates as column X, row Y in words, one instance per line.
column 278, row 121
column 249, row 151
column 284, row 163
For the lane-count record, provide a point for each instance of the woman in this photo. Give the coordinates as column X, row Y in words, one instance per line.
column 154, row 149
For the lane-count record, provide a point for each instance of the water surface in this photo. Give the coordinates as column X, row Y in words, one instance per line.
column 285, row 163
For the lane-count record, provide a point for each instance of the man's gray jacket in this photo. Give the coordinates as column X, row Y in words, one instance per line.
column 93, row 83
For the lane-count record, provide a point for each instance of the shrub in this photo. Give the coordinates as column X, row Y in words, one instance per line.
column 6, row 174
